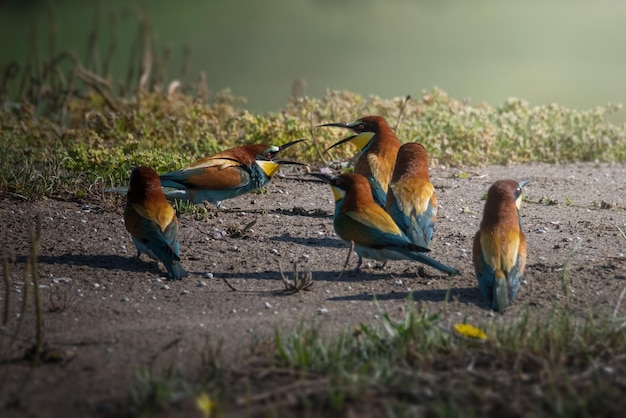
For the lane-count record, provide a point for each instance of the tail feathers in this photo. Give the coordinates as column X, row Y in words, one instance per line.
column 172, row 194
column 416, row 235
column 168, row 182
column 418, row 248
column 429, row 261
column 170, row 259
column 501, row 299
column 175, row 270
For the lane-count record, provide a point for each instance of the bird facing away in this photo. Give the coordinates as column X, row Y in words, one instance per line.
column 499, row 250
column 372, row 232
column 378, row 146
column 411, row 198
column 152, row 222
column 225, row 175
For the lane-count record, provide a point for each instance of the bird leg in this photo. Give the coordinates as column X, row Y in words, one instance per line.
column 357, row 270
column 347, row 258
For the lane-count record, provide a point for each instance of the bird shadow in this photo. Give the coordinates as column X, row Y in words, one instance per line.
column 300, row 211
column 467, row 295
column 106, row 262
column 328, row 242
column 317, row 275
column 294, row 211
column 326, row 276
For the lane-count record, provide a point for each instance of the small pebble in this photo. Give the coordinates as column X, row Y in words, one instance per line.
column 201, row 284
column 208, row 275
column 184, row 292
column 165, row 287
column 267, row 305
column 322, row 311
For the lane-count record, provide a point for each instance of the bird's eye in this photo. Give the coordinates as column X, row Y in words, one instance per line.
column 361, row 127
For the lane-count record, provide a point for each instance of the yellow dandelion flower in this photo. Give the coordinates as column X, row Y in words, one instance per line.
column 470, row 331
column 205, row 404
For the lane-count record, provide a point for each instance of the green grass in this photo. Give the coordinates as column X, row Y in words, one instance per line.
column 97, row 148
column 560, row 365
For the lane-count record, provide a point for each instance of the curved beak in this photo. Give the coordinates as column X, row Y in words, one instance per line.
column 288, row 144
column 343, row 141
column 287, row 162
column 523, row 183
column 324, row 177
column 337, row 125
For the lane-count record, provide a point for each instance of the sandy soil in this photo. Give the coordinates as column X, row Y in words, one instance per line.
column 110, row 313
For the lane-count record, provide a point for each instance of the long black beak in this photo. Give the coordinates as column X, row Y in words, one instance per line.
column 324, row 177
column 343, row 141
column 339, row 125
column 288, row 144
column 336, row 124
column 286, row 162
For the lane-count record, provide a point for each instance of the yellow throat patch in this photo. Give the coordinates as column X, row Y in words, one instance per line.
column 269, row 167
column 361, row 140
column 338, row 193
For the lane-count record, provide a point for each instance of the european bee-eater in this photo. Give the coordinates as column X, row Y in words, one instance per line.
column 499, row 250
column 152, row 222
column 225, row 175
column 372, row 232
column 411, row 198
column 378, row 146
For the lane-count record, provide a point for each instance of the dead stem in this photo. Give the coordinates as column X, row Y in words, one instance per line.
column 402, row 107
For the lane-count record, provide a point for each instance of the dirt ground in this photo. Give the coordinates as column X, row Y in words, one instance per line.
column 111, row 313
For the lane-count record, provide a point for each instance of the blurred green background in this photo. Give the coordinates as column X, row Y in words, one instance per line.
column 572, row 52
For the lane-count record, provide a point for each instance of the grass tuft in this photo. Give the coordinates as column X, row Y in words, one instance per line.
column 563, row 364
column 299, row 281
